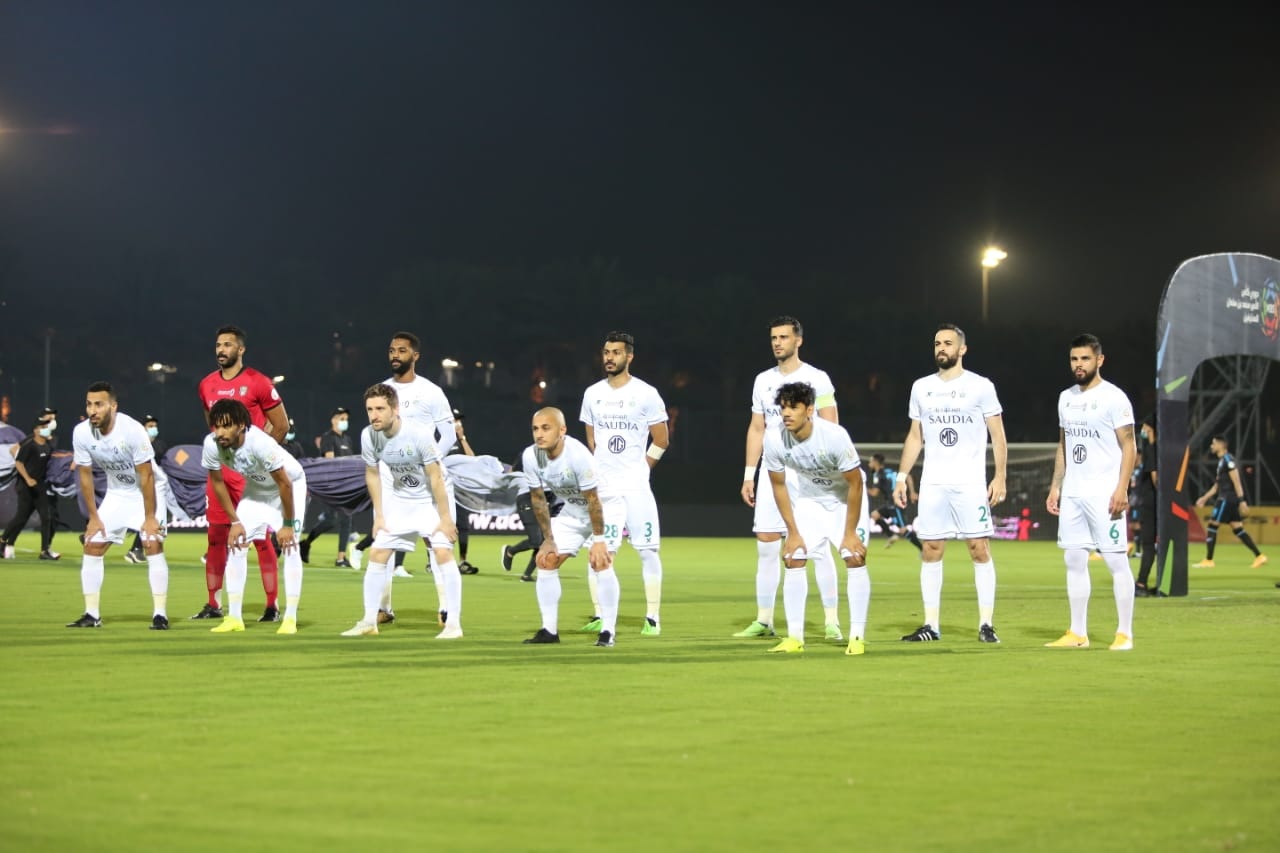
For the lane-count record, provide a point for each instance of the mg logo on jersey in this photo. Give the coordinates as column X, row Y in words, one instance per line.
column 821, row 481
column 948, row 437
column 128, row 479
column 411, row 481
column 617, row 444
column 1079, row 454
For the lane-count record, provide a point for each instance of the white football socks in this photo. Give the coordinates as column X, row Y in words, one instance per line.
column 610, row 594
column 237, row 574
column 292, row 582
column 91, row 574
column 548, row 590
column 858, row 588
column 931, row 592
column 795, row 593
column 158, row 575
column 984, row 578
column 768, row 573
column 376, row 579
column 1122, row 588
column 1078, row 588
column 651, row 569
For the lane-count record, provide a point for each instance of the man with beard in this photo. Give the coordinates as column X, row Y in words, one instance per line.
column 273, row 499
column 786, row 336
column 1090, row 491
column 232, row 380
column 422, row 402
column 415, row 506
column 622, row 415
column 117, row 444
column 952, row 412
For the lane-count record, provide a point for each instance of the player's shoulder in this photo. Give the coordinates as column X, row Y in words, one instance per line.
column 82, row 431
column 977, row 379
column 596, row 388
column 767, row 377
column 811, row 374
column 832, row 431
column 925, row 382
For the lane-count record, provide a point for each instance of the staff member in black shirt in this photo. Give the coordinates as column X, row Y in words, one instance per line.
column 333, row 444
column 1145, row 491
column 32, row 464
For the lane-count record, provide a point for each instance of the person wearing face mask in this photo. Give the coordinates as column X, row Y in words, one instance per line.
column 160, row 447
column 336, row 442
column 31, row 463
column 291, row 443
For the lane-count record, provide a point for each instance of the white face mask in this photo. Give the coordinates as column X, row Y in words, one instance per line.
column 289, row 436
column 342, row 427
column 45, row 432
column 152, row 432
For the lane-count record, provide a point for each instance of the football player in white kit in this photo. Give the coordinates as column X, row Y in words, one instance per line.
column 116, row 443
column 622, row 415
column 1090, row 491
column 786, row 335
column 274, row 498
column 823, row 505
column 415, row 505
column 422, row 402
column 952, row 412
column 559, row 463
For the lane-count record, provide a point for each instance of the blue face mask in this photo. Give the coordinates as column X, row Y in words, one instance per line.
column 342, row 427
column 152, row 432
column 45, row 432
column 288, row 436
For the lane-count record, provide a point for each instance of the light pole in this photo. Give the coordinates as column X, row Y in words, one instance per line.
column 991, row 258
column 159, row 373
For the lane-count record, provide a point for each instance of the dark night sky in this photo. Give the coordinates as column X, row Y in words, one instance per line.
column 216, row 144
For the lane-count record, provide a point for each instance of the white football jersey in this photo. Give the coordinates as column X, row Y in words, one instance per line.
column 405, row 454
column 768, row 382
column 117, row 453
column 423, row 401
column 953, row 424
column 568, row 475
column 255, row 459
column 1089, row 420
column 820, row 461
column 621, row 418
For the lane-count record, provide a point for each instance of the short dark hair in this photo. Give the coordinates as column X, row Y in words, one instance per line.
column 951, row 327
column 382, row 389
column 102, row 387
column 787, row 320
column 794, row 394
column 410, row 337
column 229, row 413
column 1223, row 439
column 878, row 457
column 616, row 337
column 1087, row 340
column 232, row 330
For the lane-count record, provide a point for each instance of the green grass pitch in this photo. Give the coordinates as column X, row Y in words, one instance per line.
column 127, row 739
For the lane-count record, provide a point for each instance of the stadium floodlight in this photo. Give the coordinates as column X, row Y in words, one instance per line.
column 159, row 370
column 448, row 362
column 991, row 258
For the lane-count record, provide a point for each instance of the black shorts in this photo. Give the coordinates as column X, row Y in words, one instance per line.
column 1226, row 512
